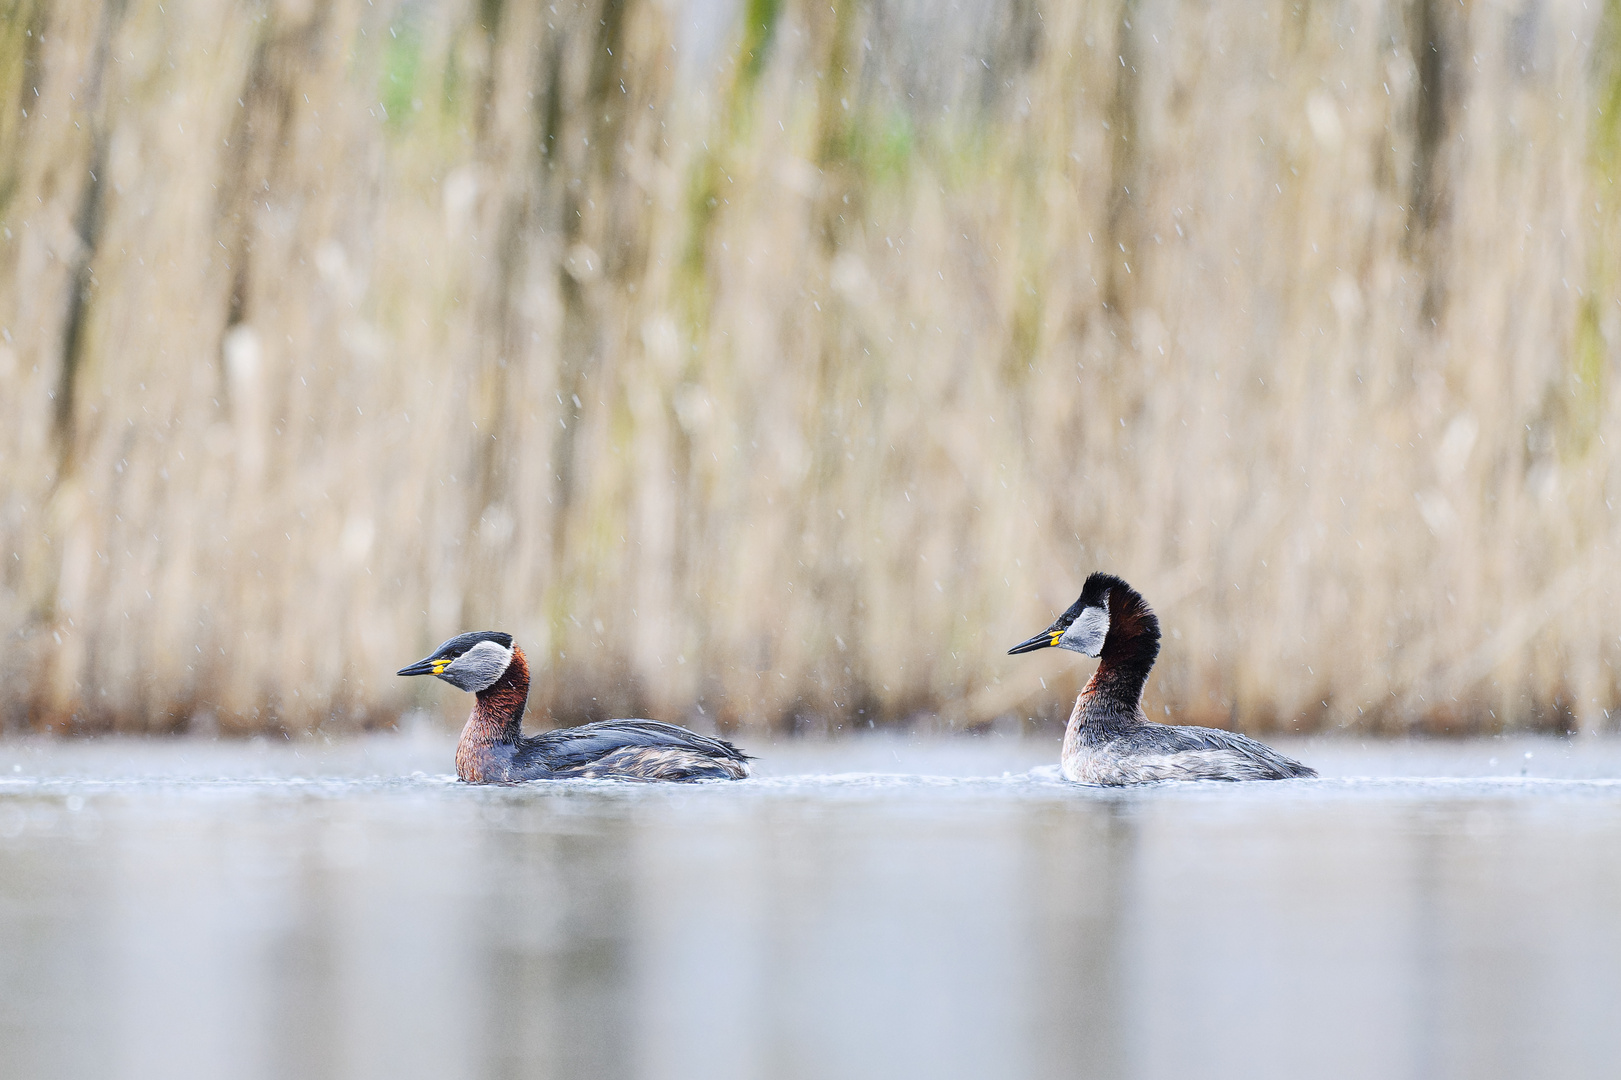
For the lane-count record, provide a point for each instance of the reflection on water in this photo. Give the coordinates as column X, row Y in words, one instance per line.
column 853, row 926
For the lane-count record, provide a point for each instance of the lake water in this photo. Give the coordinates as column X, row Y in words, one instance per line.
column 872, row 908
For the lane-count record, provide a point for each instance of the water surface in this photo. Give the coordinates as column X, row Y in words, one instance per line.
column 877, row 908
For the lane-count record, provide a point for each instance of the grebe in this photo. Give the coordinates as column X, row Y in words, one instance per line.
column 1109, row 740
column 494, row 750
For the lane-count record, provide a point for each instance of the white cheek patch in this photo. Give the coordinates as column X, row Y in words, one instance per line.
column 479, row 667
column 1085, row 635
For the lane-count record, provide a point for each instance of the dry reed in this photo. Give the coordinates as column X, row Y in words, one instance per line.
column 784, row 378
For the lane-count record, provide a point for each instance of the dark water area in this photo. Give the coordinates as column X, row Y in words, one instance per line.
column 876, row 908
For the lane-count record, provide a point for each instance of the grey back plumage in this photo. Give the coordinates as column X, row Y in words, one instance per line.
column 633, row 749
column 1147, row 751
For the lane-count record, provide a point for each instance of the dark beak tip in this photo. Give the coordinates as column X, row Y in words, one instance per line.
column 1042, row 640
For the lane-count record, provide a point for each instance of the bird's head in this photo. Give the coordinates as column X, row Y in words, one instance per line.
column 472, row 662
column 1085, row 626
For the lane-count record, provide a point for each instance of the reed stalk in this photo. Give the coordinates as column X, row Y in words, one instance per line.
column 780, row 377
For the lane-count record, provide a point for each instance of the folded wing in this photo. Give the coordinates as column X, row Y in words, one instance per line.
column 635, row 749
column 1221, row 750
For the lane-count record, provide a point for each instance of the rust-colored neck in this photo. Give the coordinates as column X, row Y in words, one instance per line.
column 497, row 719
column 1129, row 650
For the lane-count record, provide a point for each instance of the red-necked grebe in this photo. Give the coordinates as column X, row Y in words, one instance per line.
column 1109, row 740
column 494, row 750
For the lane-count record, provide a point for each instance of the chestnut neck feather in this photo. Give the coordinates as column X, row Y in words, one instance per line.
column 498, row 716
column 1129, row 650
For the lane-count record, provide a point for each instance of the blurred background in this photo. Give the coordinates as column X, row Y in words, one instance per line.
column 774, row 366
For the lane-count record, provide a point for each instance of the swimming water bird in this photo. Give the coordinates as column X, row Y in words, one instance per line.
column 1109, row 739
column 494, row 750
